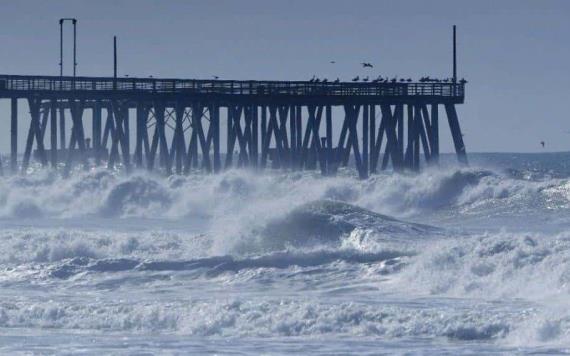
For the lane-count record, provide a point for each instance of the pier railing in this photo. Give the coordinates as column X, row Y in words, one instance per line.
column 56, row 84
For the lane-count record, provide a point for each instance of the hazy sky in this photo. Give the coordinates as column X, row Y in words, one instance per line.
column 515, row 54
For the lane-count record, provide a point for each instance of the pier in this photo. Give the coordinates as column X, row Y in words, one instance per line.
column 174, row 125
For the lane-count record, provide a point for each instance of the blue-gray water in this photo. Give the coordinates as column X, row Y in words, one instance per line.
column 456, row 260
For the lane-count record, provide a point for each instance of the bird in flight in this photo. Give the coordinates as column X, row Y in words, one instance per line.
column 332, row 62
column 367, row 65
column 542, row 143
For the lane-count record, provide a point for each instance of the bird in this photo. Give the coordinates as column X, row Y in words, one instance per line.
column 216, row 77
column 126, row 75
column 409, row 80
column 355, row 79
column 394, row 80
column 332, row 62
column 325, row 80
column 365, row 79
column 337, row 80
column 462, row 81
column 542, row 143
column 317, row 80
column 367, row 65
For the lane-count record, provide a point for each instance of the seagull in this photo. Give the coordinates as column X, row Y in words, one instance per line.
column 365, row 79
column 542, row 143
column 367, row 65
column 355, row 79
column 337, row 80
column 332, row 62
column 325, row 80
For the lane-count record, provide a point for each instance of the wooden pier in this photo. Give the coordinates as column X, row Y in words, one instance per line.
column 176, row 123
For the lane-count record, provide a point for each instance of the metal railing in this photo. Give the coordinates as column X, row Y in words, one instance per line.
column 232, row 87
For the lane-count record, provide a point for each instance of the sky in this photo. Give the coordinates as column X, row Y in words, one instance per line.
column 515, row 54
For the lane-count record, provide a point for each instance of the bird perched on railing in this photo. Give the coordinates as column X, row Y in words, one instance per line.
column 355, row 79
column 337, row 80
column 409, row 80
column 394, row 80
column 325, row 80
column 462, row 81
column 312, row 79
column 317, row 80
column 365, row 79
column 367, row 65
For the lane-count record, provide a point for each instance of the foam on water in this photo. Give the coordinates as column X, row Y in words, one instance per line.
column 454, row 254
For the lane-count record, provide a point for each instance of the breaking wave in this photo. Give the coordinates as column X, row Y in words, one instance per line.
column 241, row 194
column 291, row 254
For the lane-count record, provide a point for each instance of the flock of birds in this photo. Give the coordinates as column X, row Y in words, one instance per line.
column 381, row 79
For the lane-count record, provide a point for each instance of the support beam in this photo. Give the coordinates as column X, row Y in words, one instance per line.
column 77, row 138
column 34, row 134
column 14, row 135
column 96, row 128
column 254, row 136
column 365, row 147
column 215, row 133
column 456, row 133
column 331, row 166
column 53, row 132
column 435, row 133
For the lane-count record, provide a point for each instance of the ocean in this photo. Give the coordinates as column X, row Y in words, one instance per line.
column 453, row 260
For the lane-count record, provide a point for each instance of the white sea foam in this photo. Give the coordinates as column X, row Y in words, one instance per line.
column 283, row 255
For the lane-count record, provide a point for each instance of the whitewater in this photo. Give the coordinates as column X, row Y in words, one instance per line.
column 469, row 260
